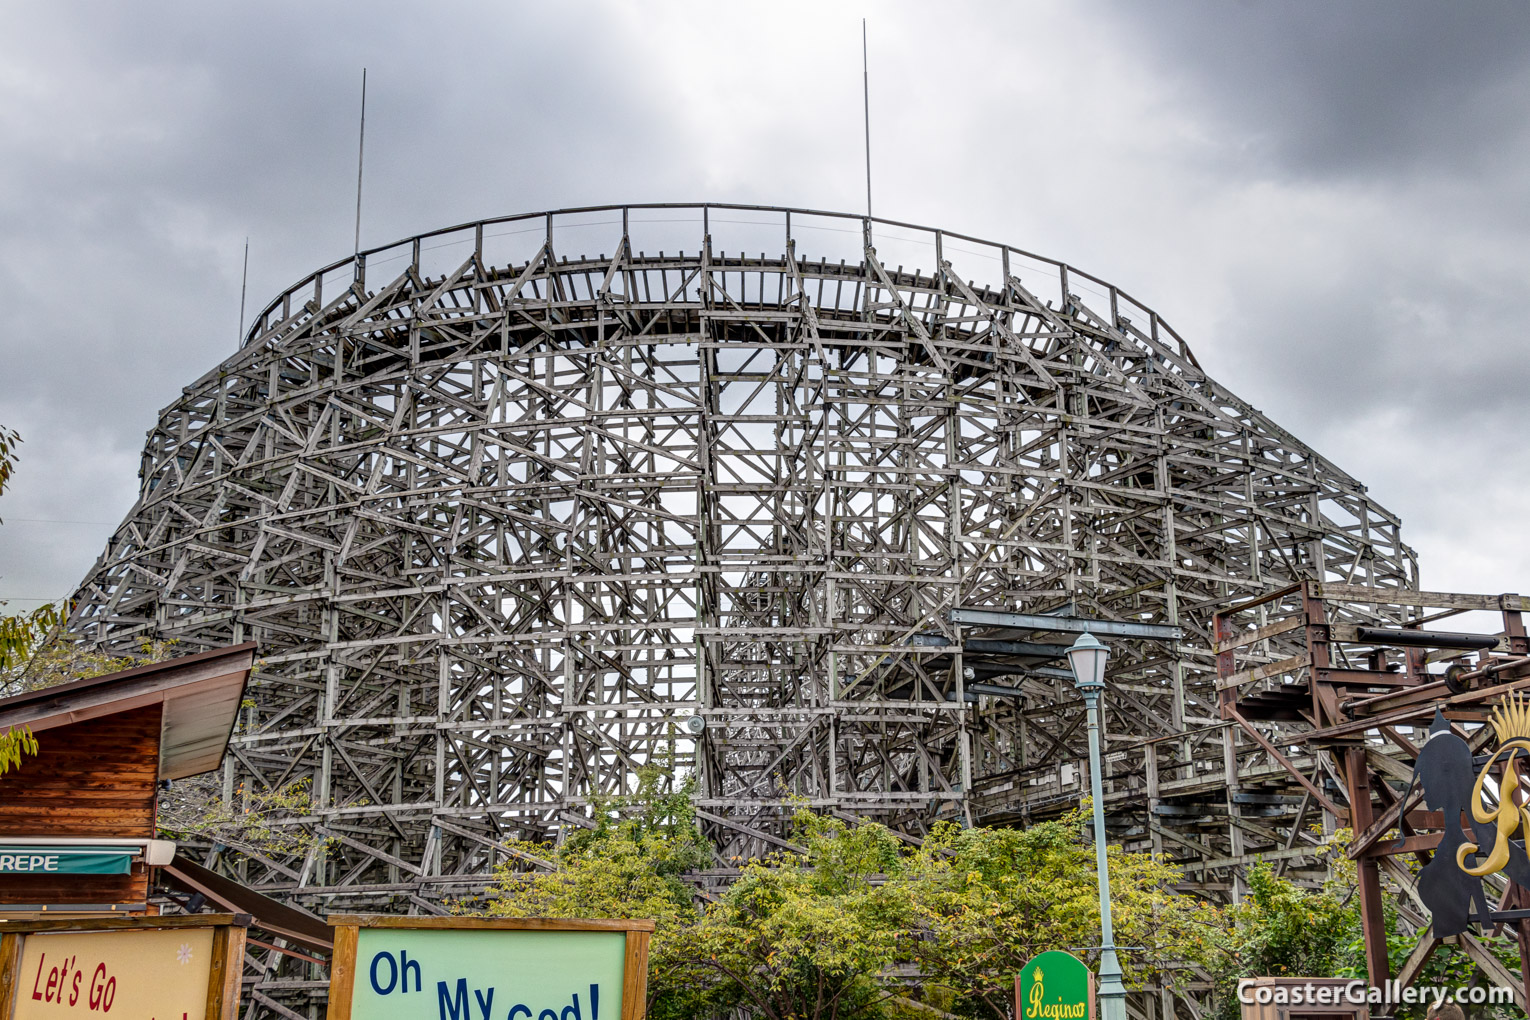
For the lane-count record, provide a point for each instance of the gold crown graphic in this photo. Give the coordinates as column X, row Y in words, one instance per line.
column 1511, row 719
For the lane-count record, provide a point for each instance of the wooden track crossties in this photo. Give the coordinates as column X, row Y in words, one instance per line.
column 501, row 513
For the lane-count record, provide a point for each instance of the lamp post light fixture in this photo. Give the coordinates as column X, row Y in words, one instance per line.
column 1086, row 657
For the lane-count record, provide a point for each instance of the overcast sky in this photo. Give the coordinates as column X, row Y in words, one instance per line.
column 1329, row 201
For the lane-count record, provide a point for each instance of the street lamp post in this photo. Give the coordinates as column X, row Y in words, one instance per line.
column 1086, row 657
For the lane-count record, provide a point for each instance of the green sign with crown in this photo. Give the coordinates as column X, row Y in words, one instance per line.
column 1055, row 986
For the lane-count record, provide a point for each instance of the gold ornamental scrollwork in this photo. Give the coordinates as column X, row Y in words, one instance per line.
column 1511, row 722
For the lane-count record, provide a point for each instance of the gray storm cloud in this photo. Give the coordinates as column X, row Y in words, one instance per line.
column 1326, row 200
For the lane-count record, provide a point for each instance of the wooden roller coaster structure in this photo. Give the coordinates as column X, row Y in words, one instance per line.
column 744, row 497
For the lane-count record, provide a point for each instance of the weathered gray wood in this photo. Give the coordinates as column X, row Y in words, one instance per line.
column 501, row 523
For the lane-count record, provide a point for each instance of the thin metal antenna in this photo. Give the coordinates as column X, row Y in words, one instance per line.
column 244, row 287
column 361, row 153
column 866, row 97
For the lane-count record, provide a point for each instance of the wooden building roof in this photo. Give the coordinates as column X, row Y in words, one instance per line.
column 199, row 694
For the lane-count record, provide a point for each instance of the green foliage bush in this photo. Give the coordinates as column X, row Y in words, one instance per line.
column 860, row 923
column 1283, row 929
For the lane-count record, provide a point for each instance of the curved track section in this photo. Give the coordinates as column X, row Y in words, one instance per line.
column 504, row 515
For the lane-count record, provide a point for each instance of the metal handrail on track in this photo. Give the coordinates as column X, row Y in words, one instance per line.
column 868, row 225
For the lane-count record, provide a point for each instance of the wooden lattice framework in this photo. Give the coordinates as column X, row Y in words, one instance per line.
column 1351, row 705
column 502, row 517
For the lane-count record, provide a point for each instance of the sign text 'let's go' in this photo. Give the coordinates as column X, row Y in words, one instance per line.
column 140, row 975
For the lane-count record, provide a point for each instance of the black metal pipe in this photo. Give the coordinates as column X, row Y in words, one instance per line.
column 1424, row 638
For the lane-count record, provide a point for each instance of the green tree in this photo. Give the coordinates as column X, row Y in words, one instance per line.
column 13, row 744
column 61, row 658
column 629, row 866
column 19, row 634
column 804, row 936
column 856, row 923
column 35, row 650
column 1283, row 929
column 1280, row 929
column 263, row 822
column 986, row 900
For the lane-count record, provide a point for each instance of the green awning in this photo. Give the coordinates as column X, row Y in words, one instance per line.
column 32, row 859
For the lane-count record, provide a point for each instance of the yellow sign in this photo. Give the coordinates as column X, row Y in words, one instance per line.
column 104, row 975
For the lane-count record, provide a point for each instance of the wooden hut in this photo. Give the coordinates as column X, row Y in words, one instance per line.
column 77, row 821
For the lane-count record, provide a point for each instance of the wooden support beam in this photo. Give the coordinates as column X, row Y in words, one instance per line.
column 513, row 529
column 1423, row 950
column 1264, row 742
column 1372, row 920
column 1494, row 968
